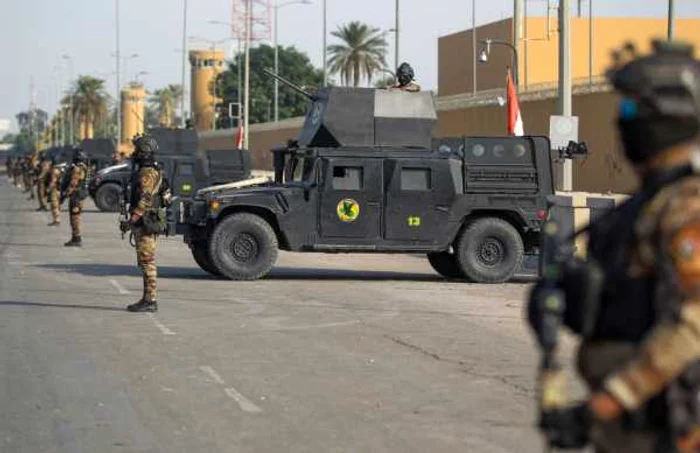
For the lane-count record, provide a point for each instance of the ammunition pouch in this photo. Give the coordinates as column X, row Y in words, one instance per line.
column 582, row 283
column 154, row 221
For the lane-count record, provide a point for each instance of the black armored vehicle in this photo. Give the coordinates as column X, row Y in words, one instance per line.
column 186, row 168
column 99, row 150
column 365, row 175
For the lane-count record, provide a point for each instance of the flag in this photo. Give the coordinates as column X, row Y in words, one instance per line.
column 239, row 136
column 515, row 120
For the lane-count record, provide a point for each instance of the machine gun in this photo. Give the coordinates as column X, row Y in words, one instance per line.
column 291, row 85
column 125, row 199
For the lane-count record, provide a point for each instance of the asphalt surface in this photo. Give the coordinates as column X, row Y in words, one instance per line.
column 331, row 353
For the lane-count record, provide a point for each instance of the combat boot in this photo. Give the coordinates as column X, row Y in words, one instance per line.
column 143, row 306
column 75, row 241
column 41, row 208
column 54, row 223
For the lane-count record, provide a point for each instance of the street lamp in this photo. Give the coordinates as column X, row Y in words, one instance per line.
column 72, row 99
column 485, row 52
column 277, row 83
column 140, row 73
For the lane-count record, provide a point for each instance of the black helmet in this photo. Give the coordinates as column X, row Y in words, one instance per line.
column 660, row 104
column 405, row 74
column 145, row 149
column 79, row 156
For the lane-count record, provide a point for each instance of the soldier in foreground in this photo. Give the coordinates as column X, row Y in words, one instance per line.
column 76, row 193
column 635, row 301
column 146, row 217
column 43, row 181
column 54, row 189
column 406, row 79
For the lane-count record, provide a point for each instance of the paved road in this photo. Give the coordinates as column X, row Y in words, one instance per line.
column 344, row 353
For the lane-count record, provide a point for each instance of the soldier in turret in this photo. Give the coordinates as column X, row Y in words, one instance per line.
column 406, row 79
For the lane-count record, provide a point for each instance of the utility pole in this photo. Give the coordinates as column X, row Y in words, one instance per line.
column 590, row 42
column 246, row 108
column 517, row 30
column 671, row 19
column 325, row 63
column 396, row 37
column 119, row 87
column 183, row 120
column 474, row 46
column 565, row 80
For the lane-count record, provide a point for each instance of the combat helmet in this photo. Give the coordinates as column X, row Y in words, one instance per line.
column 660, row 104
column 145, row 148
column 405, row 74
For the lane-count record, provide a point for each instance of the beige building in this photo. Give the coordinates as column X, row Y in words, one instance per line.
column 206, row 65
column 133, row 112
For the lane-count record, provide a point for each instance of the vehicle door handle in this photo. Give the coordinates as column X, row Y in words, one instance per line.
column 442, row 208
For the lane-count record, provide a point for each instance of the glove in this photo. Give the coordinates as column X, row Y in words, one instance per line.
column 124, row 226
column 567, row 428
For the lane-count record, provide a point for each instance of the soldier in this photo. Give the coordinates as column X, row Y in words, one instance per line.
column 43, row 181
column 145, row 204
column 28, row 169
column 406, row 79
column 75, row 194
column 54, row 189
column 16, row 171
column 640, row 323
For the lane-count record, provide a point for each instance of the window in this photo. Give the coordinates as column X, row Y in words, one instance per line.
column 185, row 169
column 415, row 179
column 347, row 178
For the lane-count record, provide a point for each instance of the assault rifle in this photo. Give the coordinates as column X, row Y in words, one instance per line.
column 123, row 208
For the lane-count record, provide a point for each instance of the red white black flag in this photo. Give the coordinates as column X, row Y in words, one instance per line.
column 515, row 119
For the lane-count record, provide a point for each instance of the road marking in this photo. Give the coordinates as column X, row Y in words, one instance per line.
column 164, row 330
column 244, row 403
column 211, row 372
column 119, row 287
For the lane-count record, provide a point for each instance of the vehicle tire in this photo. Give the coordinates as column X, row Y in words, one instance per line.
column 489, row 250
column 108, row 197
column 200, row 253
column 243, row 247
column 445, row 264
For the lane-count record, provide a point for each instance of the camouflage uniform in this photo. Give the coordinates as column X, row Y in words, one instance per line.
column 77, row 177
column 42, row 183
column 148, row 182
column 16, row 171
column 54, row 189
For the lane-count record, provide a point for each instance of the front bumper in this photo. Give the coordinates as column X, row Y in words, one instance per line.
column 186, row 217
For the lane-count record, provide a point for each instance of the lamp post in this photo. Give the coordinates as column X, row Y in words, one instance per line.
column 72, row 99
column 325, row 60
column 277, row 83
column 140, row 73
column 184, row 63
column 484, row 56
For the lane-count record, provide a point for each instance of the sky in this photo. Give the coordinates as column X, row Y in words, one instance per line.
column 36, row 34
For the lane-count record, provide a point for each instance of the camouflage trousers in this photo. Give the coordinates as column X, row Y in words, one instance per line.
column 55, row 206
column 42, row 193
column 76, row 207
column 146, row 260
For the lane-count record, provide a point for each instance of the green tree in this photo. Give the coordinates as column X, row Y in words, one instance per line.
column 293, row 65
column 164, row 101
column 32, row 124
column 361, row 54
column 90, row 103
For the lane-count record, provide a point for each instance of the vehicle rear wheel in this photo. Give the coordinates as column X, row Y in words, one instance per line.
column 243, row 247
column 200, row 253
column 445, row 264
column 108, row 197
column 489, row 250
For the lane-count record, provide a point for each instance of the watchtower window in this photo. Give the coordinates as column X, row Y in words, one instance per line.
column 416, row 179
column 347, row 178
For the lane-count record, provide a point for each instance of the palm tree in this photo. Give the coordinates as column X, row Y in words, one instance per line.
column 89, row 100
column 361, row 54
column 164, row 101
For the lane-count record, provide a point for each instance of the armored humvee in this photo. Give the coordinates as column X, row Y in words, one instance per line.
column 186, row 168
column 365, row 175
column 99, row 150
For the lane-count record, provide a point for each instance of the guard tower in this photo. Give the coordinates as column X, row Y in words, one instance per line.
column 133, row 115
column 206, row 66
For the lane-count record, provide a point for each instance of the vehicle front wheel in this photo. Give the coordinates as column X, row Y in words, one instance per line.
column 108, row 197
column 445, row 264
column 243, row 247
column 200, row 253
column 489, row 250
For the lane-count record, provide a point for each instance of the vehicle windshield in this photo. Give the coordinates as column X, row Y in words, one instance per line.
column 300, row 169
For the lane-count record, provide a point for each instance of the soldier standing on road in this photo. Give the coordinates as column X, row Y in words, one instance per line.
column 54, row 189
column 75, row 194
column 145, row 203
column 42, row 181
column 640, row 325
column 406, row 79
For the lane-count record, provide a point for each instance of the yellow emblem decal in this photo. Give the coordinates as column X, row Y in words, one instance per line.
column 414, row 221
column 348, row 210
column 187, row 187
